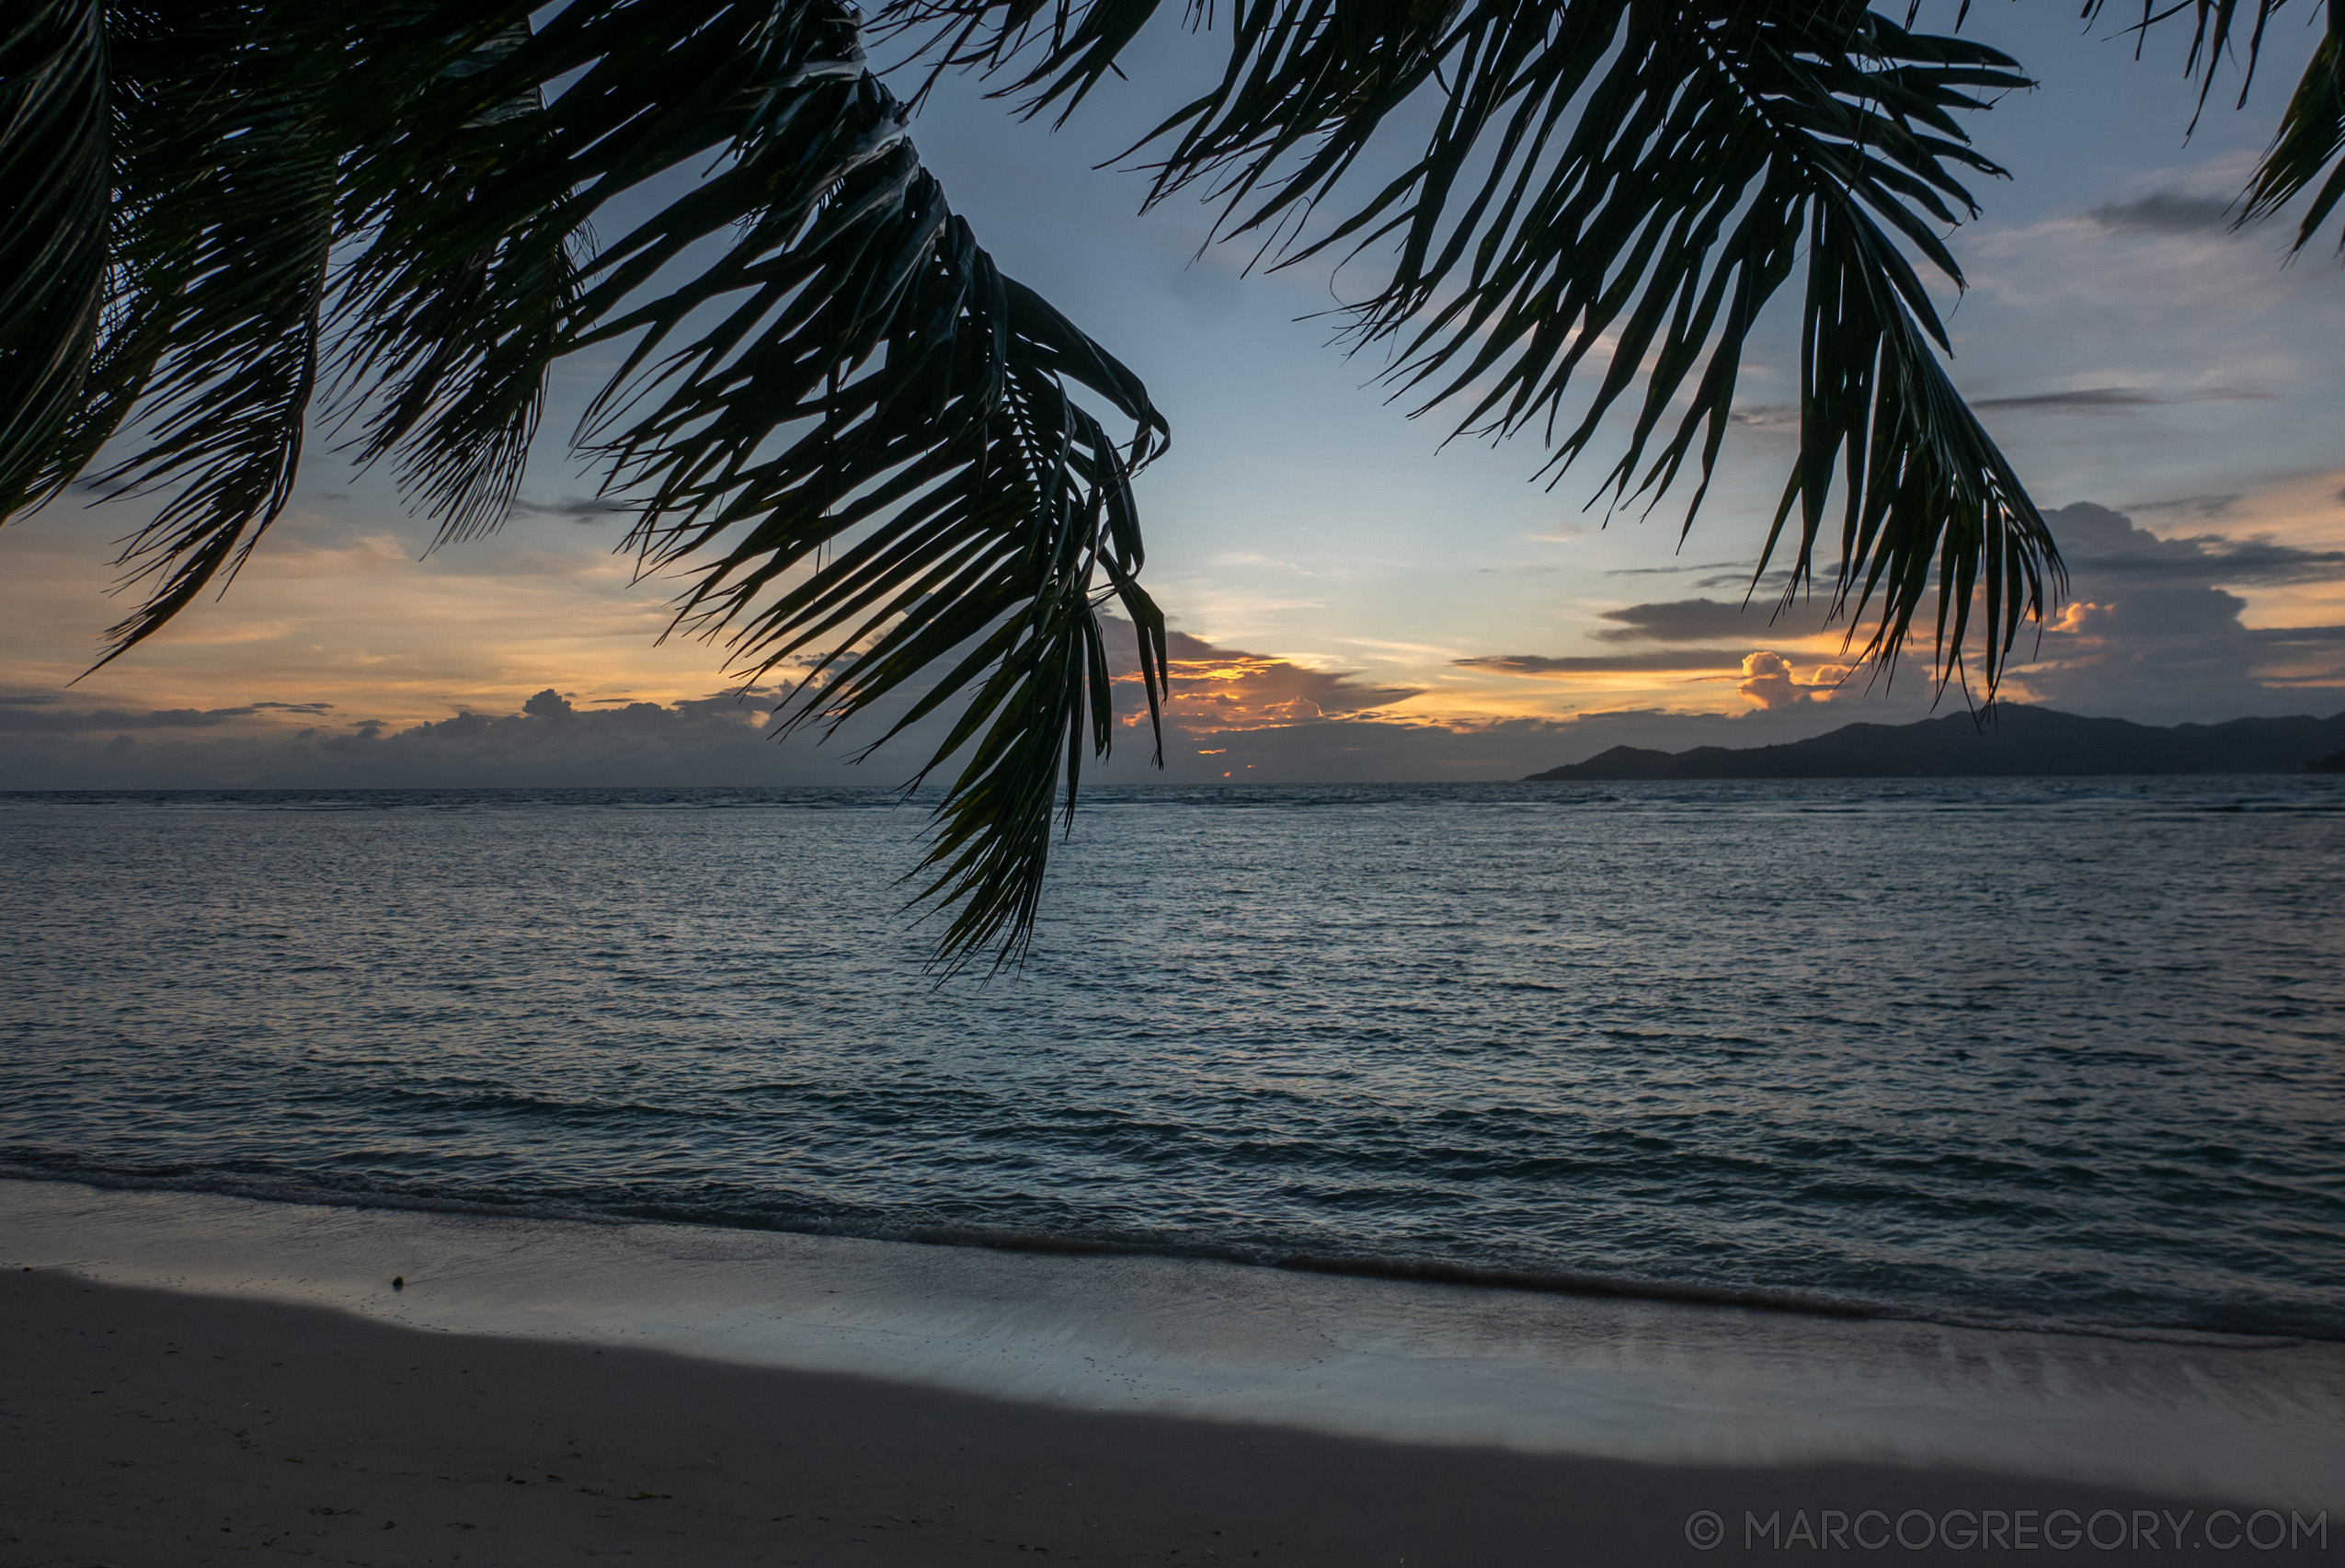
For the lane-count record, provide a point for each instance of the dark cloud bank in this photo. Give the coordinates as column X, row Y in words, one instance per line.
column 2154, row 635
column 1301, row 727
column 551, row 742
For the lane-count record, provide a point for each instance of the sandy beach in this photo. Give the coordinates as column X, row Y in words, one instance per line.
column 277, row 1405
column 147, row 1426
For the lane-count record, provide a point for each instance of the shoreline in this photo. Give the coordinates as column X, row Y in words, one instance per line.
column 1356, row 1359
column 159, row 1427
column 1422, row 1270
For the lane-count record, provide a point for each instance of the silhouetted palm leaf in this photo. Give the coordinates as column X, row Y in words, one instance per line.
column 223, row 222
column 2311, row 138
column 817, row 358
column 858, row 438
column 1617, row 188
column 53, row 105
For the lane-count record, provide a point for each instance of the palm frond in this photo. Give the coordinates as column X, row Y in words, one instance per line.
column 445, row 332
column 817, row 360
column 981, row 517
column 853, row 374
column 2311, row 137
column 53, row 205
column 1610, row 193
column 2311, row 142
column 226, row 205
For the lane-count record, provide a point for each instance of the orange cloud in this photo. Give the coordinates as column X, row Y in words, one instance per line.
column 1769, row 680
column 1216, row 688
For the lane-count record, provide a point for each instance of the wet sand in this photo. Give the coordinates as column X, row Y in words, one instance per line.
column 189, row 1377
column 142, row 1427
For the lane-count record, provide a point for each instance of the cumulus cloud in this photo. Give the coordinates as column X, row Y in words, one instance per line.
column 2153, row 633
column 1769, row 681
column 1767, row 678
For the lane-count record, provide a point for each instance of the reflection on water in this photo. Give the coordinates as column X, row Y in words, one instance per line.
column 1999, row 1048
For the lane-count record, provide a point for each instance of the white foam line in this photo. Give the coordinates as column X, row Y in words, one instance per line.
column 1362, row 1358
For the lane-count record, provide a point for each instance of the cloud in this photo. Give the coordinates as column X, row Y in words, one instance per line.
column 2103, row 549
column 559, row 740
column 715, row 740
column 1217, row 688
column 69, row 722
column 1602, row 664
column 1767, row 680
column 1245, row 718
column 1400, row 647
column 2165, row 212
column 1670, row 571
column 579, row 509
column 2153, row 630
column 2201, row 506
column 1683, row 621
column 2104, row 399
column 1370, row 750
column 2152, row 635
column 1679, row 621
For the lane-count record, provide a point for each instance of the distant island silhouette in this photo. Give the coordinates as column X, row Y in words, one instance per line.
column 2018, row 741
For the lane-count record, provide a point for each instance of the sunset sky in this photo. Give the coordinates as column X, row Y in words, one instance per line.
column 1355, row 599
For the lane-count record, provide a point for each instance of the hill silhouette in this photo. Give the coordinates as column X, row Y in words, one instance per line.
column 2018, row 741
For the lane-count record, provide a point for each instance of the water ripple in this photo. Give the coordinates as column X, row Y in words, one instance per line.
column 2045, row 1050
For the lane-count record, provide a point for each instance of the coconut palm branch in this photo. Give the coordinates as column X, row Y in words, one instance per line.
column 1610, row 193
column 883, row 467
column 2309, row 149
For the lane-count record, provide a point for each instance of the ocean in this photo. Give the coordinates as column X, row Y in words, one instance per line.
column 2051, row 1053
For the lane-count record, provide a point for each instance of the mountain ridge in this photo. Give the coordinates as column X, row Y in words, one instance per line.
column 2019, row 740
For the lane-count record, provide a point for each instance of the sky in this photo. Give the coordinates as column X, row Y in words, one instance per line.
column 1352, row 598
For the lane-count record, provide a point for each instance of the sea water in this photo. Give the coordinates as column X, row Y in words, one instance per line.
column 2057, row 1053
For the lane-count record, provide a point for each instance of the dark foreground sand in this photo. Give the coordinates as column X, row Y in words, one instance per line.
column 143, row 1428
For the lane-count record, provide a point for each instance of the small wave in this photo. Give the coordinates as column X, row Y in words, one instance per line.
column 1421, row 1271
column 1436, row 1272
